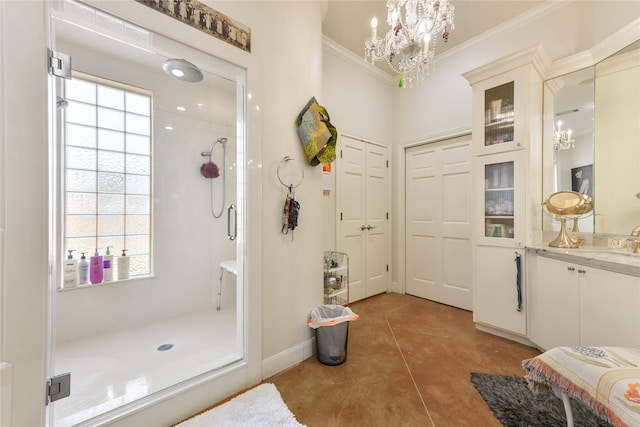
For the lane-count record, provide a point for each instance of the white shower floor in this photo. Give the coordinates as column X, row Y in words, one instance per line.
column 116, row 368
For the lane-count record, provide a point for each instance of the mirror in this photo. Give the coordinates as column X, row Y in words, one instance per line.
column 600, row 157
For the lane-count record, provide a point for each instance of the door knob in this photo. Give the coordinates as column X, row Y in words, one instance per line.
column 363, row 227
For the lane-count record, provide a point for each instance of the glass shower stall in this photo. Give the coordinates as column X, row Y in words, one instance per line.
column 146, row 161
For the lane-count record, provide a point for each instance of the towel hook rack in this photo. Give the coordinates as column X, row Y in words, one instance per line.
column 283, row 162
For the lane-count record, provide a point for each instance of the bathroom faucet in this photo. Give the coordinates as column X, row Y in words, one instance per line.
column 636, row 231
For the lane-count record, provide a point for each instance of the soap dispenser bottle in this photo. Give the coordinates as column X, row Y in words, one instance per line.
column 108, row 265
column 70, row 271
column 83, row 270
column 123, row 266
column 96, row 272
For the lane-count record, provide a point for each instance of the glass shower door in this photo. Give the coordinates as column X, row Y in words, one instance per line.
column 149, row 166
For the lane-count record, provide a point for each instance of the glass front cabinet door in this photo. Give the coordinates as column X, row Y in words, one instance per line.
column 498, row 114
column 500, row 126
column 501, row 204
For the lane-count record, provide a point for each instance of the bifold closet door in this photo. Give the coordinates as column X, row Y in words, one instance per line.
column 438, row 222
column 362, row 210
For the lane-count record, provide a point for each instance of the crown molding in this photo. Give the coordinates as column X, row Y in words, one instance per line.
column 359, row 62
column 533, row 55
column 498, row 31
column 588, row 58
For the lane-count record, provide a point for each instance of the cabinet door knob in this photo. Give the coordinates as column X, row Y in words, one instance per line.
column 582, row 271
column 571, row 269
column 363, row 227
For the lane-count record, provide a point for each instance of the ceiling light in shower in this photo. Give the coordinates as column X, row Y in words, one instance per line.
column 182, row 70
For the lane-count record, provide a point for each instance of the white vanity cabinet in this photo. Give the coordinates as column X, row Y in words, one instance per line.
column 609, row 308
column 554, row 302
column 575, row 304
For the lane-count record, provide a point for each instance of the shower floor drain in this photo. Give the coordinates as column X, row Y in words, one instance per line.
column 165, row 347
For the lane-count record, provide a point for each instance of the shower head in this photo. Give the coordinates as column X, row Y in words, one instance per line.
column 182, row 70
column 222, row 140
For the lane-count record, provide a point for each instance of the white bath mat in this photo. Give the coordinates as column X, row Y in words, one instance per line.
column 261, row 406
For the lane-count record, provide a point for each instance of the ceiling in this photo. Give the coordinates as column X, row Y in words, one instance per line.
column 348, row 22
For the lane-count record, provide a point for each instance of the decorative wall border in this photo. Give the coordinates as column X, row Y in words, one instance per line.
column 205, row 19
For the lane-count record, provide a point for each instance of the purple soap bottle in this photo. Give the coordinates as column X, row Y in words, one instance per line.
column 96, row 268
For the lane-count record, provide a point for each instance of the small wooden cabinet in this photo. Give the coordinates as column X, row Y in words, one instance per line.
column 575, row 304
column 336, row 278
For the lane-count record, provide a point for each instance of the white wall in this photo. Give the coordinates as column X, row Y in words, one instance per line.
column 287, row 38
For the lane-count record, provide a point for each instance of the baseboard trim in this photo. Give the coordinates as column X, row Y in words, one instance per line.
column 6, row 391
column 287, row 358
column 504, row 334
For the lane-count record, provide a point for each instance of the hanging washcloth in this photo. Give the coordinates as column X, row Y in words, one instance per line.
column 209, row 170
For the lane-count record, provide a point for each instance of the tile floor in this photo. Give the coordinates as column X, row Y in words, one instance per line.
column 409, row 363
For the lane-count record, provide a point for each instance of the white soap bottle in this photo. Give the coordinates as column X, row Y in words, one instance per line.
column 123, row 266
column 83, row 270
column 108, row 265
column 70, row 271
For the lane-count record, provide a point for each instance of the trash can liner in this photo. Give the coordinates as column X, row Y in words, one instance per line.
column 329, row 315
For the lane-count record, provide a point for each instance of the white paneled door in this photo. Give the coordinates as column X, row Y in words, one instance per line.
column 438, row 222
column 363, row 215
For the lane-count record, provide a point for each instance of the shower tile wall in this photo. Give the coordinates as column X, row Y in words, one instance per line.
column 188, row 243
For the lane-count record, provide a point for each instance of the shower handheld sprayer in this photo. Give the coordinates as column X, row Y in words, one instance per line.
column 210, row 170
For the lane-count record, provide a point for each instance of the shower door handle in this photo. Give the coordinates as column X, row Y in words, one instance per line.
column 233, row 208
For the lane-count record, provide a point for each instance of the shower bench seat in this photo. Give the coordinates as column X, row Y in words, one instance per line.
column 230, row 266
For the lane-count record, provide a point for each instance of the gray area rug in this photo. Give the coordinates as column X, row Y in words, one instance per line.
column 515, row 405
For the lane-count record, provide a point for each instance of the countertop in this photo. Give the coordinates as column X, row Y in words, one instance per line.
column 619, row 261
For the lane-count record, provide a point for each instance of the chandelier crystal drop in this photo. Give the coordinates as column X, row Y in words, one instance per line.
column 409, row 45
column 562, row 138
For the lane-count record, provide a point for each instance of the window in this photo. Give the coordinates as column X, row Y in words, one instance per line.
column 107, row 170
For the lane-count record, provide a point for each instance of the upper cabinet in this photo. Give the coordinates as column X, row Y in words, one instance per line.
column 501, row 125
column 507, row 108
column 504, row 107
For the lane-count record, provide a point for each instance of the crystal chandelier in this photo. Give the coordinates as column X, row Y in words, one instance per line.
column 408, row 47
column 562, row 138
